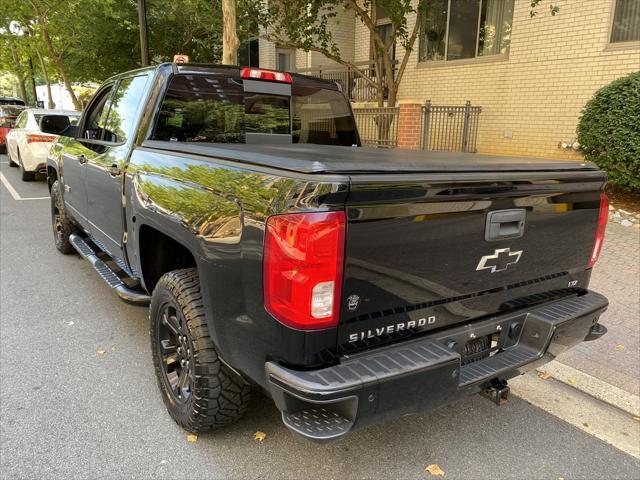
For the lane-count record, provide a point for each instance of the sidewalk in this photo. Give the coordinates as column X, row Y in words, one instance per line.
column 615, row 359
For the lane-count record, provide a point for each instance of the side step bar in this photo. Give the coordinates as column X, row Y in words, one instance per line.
column 113, row 280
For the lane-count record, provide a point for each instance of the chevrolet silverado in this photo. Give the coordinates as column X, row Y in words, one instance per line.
column 352, row 285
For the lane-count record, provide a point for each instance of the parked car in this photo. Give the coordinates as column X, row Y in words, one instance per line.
column 8, row 116
column 27, row 146
column 352, row 285
column 12, row 101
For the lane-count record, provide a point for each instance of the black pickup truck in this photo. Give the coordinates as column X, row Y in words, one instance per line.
column 350, row 284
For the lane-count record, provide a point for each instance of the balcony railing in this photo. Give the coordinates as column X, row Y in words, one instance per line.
column 352, row 83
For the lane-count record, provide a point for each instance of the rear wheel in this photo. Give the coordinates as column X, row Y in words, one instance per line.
column 11, row 162
column 26, row 176
column 200, row 392
column 62, row 226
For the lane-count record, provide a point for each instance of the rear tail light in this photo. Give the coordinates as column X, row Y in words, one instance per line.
column 303, row 262
column 602, row 225
column 39, row 138
column 262, row 74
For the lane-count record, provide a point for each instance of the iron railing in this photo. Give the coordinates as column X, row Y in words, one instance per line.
column 378, row 126
column 451, row 128
column 356, row 88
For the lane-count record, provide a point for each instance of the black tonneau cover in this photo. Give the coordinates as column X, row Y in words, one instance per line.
column 309, row 158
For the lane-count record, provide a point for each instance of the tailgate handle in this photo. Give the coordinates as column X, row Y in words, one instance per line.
column 503, row 224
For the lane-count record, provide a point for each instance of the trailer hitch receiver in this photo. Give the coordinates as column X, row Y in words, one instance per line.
column 497, row 392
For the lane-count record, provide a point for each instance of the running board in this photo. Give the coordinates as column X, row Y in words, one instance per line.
column 107, row 274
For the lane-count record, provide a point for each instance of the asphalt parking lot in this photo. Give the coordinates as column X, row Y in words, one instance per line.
column 79, row 398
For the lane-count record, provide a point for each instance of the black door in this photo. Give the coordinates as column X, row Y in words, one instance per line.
column 105, row 172
column 78, row 151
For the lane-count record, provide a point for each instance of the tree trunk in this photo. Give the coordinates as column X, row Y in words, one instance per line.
column 50, row 103
column 58, row 63
column 18, row 70
column 32, row 82
column 230, row 42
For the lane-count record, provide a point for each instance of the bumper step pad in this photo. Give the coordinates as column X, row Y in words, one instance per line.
column 106, row 273
column 318, row 423
column 492, row 366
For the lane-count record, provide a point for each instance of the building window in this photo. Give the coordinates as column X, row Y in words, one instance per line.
column 626, row 21
column 249, row 53
column 285, row 60
column 463, row 29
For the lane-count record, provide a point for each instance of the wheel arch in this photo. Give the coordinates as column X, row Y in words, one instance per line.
column 52, row 176
column 159, row 253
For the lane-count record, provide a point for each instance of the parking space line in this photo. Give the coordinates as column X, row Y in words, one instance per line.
column 16, row 196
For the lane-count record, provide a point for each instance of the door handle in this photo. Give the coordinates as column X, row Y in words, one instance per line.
column 113, row 170
column 505, row 224
column 82, row 159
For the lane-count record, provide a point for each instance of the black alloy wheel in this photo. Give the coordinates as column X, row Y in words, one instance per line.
column 175, row 350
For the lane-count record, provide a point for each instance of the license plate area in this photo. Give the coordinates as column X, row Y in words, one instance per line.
column 477, row 349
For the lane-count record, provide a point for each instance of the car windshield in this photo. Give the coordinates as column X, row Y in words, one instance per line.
column 216, row 109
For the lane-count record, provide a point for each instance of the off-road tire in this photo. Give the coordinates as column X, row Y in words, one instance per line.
column 60, row 222
column 217, row 395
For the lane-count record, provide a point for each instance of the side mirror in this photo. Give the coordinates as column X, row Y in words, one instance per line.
column 56, row 124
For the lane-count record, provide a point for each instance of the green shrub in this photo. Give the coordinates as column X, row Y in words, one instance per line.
column 609, row 131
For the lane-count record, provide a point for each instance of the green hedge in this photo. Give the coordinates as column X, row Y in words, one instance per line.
column 609, row 131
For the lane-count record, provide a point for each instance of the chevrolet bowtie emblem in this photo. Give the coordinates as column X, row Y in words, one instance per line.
column 500, row 260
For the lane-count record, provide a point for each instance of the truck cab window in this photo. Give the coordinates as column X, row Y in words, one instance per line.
column 216, row 109
column 96, row 116
column 322, row 116
column 198, row 108
column 124, row 108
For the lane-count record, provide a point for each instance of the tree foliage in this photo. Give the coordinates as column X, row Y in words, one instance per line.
column 609, row 131
column 90, row 40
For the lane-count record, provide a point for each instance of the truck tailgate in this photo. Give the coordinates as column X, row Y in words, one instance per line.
column 428, row 251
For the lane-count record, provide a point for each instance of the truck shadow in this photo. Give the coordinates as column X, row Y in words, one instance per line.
column 460, row 438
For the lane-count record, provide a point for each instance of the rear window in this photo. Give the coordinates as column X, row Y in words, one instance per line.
column 11, row 101
column 10, row 112
column 215, row 109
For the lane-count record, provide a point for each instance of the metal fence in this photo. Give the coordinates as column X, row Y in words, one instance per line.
column 352, row 83
column 378, row 127
column 450, row 128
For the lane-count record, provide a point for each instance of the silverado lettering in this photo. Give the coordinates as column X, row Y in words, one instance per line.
column 233, row 203
column 398, row 327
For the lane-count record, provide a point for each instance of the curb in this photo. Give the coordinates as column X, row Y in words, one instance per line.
column 593, row 386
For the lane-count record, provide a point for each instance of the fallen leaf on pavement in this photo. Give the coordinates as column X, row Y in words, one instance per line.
column 619, row 347
column 543, row 375
column 435, row 470
column 572, row 380
column 69, row 323
column 101, row 352
column 636, row 418
column 192, row 438
column 259, row 436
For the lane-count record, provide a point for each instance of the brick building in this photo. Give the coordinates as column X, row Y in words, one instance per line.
column 531, row 76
